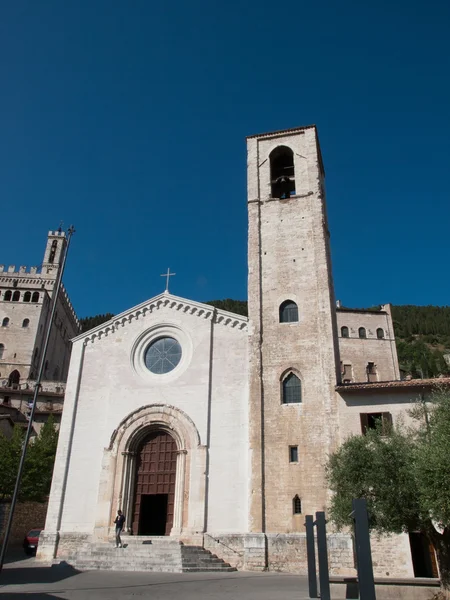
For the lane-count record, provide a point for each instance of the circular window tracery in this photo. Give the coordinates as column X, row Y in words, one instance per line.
column 163, row 355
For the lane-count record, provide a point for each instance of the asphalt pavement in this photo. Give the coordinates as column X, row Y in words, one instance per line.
column 24, row 578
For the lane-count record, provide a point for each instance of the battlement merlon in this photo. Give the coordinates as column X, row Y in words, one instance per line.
column 64, row 296
column 23, row 270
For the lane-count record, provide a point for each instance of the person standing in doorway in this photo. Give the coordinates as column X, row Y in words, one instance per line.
column 119, row 522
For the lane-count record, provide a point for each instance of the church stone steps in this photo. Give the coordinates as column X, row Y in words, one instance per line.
column 163, row 556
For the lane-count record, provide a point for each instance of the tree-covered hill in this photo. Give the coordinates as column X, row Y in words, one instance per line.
column 88, row 323
column 422, row 333
column 423, row 338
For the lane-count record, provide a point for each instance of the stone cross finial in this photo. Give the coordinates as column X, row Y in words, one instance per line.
column 167, row 275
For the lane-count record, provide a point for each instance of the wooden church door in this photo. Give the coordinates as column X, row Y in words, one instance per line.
column 155, row 485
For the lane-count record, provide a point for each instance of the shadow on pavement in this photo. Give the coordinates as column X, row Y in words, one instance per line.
column 24, row 575
column 25, row 596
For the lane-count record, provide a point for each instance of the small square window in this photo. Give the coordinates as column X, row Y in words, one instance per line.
column 375, row 420
column 293, row 454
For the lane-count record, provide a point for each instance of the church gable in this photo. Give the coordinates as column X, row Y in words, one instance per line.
column 165, row 300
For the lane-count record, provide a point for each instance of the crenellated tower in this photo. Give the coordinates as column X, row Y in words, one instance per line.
column 25, row 305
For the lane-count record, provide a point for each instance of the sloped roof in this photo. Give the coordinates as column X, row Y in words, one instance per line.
column 205, row 311
column 380, row 386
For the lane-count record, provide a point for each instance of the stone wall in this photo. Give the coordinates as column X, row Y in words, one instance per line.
column 356, row 353
column 28, row 515
column 286, row 553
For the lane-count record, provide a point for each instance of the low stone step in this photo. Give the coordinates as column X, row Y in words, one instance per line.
column 164, row 555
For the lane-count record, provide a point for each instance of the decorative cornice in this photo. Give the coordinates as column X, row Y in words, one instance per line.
column 204, row 311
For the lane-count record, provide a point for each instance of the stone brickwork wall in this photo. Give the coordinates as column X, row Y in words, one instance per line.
column 287, row 553
column 357, row 353
column 289, row 258
column 27, row 515
column 391, row 556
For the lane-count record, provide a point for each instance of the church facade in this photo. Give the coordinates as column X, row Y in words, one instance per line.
column 214, row 428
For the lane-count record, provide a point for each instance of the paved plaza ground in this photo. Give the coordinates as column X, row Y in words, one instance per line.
column 25, row 579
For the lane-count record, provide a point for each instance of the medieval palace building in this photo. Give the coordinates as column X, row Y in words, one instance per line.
column 25, row 306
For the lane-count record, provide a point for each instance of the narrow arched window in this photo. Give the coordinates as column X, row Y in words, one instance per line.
column 296, row 505
column 36, row 353
column 288, row 312
column 16, row 296
column 46, row 366
column 380, row 333
column 292, row 389
column 2, row 350
column 344, row 332
column 35, row 297
column 56, row 373
column 14, row 378
column 362, row 332
column 27, row 297
column 7, row 296
column 25, row 322
column 282, row 176
column 51, row 258
column 5, row 322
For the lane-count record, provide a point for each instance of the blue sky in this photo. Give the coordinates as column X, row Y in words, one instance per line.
column 129, row 119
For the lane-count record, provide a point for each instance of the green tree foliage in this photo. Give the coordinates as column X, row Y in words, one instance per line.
column 422, row 320
column 239, row 307
column 423, row 336
column 88, row 323
column 38, row 468
column 404, row 475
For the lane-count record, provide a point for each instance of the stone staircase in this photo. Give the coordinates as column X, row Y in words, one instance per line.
column 157, row 554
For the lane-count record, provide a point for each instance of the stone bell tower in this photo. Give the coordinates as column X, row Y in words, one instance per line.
column 54, row 253
column 293, row 339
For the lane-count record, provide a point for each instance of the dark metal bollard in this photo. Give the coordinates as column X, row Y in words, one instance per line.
column 363, row 551
column 324, row 578
column 311, row 556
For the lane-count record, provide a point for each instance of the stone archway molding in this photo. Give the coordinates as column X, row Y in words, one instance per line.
column 116, row 488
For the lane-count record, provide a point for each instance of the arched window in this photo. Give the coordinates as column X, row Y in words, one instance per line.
column 2, row 350
column 36, row 353
column 5, row 322
column 362, row 333
column 296, row 505
column 344, row 332
column 51, row 258
column 288, row 312
column 380, row 333
column 7, row 296
column 35, row 297
column 16, row 296
column 292, row 389
column 56, row 373
column 282, row 177
column 25, row 322
column 27, row 297
column 46, row 366
column 14, row 378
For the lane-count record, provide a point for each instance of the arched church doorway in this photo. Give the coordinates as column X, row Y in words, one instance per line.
column 154, row 496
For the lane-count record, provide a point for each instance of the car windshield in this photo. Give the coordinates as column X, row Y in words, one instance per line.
column 34, row 533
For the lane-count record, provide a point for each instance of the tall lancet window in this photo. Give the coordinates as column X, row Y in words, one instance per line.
column 291, row 389
column 282, row 176
column 51, row 258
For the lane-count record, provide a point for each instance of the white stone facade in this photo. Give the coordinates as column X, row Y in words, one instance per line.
column 250, row 459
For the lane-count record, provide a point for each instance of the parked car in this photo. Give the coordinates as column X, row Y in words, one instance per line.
column 30, row 543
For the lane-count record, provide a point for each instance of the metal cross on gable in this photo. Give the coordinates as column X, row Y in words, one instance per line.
column 167, row 275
